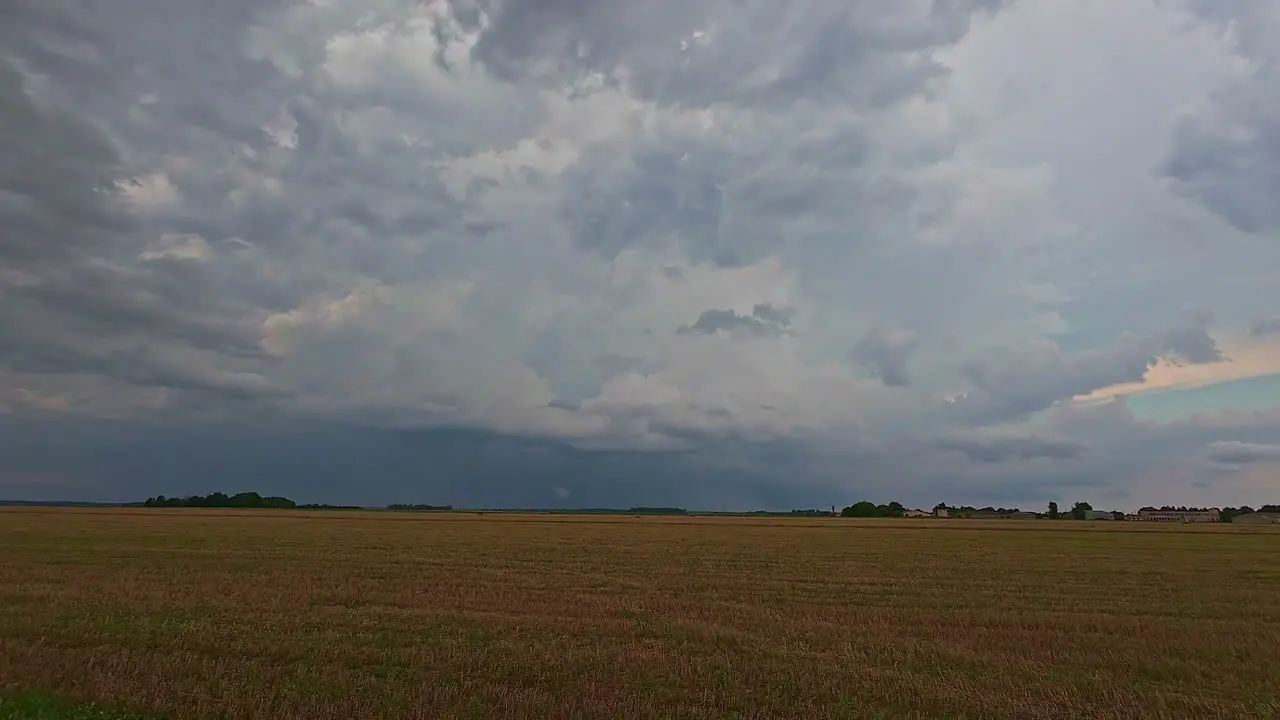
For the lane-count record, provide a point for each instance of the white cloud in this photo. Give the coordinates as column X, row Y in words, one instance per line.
column 150, row 193
column 179, row 247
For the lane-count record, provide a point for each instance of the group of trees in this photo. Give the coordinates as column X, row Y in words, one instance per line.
column 866, row 509
column 222, row 500
column 1232, row 512
column 1078, row 511
column 420, row 508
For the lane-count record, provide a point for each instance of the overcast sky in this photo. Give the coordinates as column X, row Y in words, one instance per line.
column 709, row 253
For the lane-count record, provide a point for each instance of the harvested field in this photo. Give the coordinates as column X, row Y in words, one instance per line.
column 380, row 615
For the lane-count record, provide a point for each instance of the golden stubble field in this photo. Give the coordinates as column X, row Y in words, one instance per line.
column 257, row 614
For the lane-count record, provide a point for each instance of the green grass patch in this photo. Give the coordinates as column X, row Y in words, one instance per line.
column 38, row 706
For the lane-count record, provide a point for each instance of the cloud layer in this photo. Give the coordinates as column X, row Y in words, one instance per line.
column 766, row 252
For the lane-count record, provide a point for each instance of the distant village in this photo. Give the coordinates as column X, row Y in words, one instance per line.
column 1267, row 514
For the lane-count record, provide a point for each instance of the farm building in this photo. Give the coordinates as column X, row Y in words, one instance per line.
column 1210, row 515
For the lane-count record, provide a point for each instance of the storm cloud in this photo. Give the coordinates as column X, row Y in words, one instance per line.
column 698, row 252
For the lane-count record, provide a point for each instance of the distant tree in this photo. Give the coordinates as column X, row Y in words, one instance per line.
column 867, row 509
column 860, row 509
column 1054, row 513
column 1117, row 515
column 1269, row 509
column 1244, row 510
column 244, row 499
column 1080, row 510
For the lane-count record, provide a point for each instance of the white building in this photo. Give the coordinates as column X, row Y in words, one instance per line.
column 1207, row 515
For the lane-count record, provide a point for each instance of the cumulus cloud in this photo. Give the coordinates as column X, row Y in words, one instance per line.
column 755, row 241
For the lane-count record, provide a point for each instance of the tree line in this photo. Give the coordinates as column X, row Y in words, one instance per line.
column 867, row 509
column 222, row 500
column 1227, row 513
column 861, row 509
column 1078, row 511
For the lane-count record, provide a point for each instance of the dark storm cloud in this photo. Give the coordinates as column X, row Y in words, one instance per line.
column 886, row 353
column 1233, row 452
column 1017, row 381
column 1235, row 175
column 316, row 463
column 705, row 52
column 765, row 320
column 76, row 296
column 422, row 242
column 1225, row 153
column 998, row 450
column 771, row 313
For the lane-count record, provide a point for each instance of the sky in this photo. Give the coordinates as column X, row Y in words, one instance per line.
column 708, row 253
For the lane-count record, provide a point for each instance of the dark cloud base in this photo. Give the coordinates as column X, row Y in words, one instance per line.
column 127, row 461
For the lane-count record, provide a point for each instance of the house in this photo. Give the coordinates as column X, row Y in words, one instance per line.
column 1201, row 515
column 942, row 512
column 1098, row 515
column 916, row 514
column 1257, row 518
